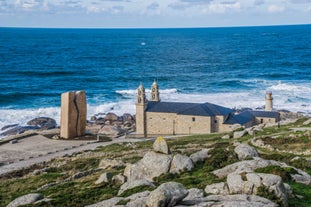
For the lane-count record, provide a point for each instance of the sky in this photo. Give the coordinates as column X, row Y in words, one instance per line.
column 152, row 13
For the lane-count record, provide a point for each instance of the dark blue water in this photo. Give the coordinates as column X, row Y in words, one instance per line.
column 229, row 66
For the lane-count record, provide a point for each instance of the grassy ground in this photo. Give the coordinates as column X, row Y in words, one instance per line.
column 83, row 191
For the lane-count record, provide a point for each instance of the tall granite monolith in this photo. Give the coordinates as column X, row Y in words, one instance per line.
column 73, row 114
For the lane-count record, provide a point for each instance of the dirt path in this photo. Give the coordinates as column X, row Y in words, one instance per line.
column 38, row 149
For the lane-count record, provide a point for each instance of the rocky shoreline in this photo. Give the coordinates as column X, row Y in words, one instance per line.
column 108, row 124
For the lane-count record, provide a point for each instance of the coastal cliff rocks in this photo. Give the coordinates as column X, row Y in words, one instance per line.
column 18, row 130
column 43, row 123
column 112, row 125
column 73, row 114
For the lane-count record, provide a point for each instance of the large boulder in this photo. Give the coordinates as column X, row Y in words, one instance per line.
column 181, row 163
column 167, row 195
column 150, row 166
column 43, row 123
column 245, row 151
column 244, row 166
column 127, row 117
column 251, row 165
column 25, row 199
column 8, row 126
column 239, row 200
column 249, row 183
column 161, row 146
column 111, row 117
column 200, row 156
column 18, row 130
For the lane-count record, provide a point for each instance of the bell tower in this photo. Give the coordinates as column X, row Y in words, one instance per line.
column 269, row 103
column 155, row 95
column 141, row 105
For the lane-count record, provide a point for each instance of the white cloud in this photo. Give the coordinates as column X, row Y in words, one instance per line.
column 224, row 7
column 275, row 8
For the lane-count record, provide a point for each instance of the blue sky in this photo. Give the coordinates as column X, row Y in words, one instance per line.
column 152, row 13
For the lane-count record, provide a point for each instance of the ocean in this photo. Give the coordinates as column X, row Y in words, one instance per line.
column 233, row 67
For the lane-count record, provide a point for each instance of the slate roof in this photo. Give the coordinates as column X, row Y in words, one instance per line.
column 241, row 118
column 195, row 109
column 267, row 114
column 247, row 116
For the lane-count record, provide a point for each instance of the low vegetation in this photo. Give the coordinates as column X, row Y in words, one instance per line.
column 64, row 191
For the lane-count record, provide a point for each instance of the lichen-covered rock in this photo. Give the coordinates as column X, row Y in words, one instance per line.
column 307, row 122
column 25, row 199
column 250, row 182
column 239, row 200
column 106, row 177
column 217, row 188
column 200, row 156
column 119, row 179
column 167, row 195
column 138, row 199
column 251, row 165
column 150, row 166
column 181, row 163
column 110, row 163
column 133, row 184
column 161, row 146
column 245, row 151
column 194, row 194
column 244, row 166
column 107, row 203
column 239, row 134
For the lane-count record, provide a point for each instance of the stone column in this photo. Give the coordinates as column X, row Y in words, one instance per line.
column 73, row 114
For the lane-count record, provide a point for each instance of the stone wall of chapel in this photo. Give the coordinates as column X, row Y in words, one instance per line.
column 260, row 120
column 171, row 123
column 187, row 124
column 160, row 123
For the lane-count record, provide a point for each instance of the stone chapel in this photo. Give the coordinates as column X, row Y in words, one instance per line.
column 154, row 117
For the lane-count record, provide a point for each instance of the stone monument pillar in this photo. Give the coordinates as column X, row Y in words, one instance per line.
column 73, row 114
